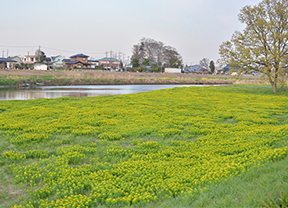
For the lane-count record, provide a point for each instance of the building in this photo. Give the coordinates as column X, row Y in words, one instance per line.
column 65, row 61
column 30, row 60
column 228, row 69
column 18, row 62
column 57, row 61
column 7, row 63
column 94, row 63
column 40, row 66
column 109, row 63
column 78, row 61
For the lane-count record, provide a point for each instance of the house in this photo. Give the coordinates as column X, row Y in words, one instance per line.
column 94, row 63
column 65, row 61
column 30, row 60
column 197, row 69
column 109, row 62
column 128, row 66
column 6, row 63
column 227, row 69
column 57, row 61
column 78, row 61
column 40, row 66
column 18, row 62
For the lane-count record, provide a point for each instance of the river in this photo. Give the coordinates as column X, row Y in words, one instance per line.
column 78, row 91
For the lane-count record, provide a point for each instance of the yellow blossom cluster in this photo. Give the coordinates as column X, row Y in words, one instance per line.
column 179, row 141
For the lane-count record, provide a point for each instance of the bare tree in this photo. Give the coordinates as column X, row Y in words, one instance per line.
column 204, row 62
column 138, row 53
column 156, row 51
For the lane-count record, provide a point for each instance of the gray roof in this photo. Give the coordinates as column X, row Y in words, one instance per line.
column 79, row 55
column 6, row 60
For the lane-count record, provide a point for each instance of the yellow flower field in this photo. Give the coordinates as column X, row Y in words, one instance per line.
column 138, row 148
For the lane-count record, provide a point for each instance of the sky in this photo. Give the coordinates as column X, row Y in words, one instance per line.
column 195, row 28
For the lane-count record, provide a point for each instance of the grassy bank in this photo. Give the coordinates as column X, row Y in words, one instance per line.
column 205, row 147
column 94, row 80
column 16, row 78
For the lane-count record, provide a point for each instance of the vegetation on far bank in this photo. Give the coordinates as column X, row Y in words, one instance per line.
column 184, row 146
column 96, row 78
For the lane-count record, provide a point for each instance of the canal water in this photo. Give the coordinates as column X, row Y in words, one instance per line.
column 78, row 91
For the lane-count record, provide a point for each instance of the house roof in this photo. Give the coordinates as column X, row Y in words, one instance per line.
column 76, row 62
column 6, row 60
column 196, row 67
column 108, row 59
column 228, row 68
column 79, row 55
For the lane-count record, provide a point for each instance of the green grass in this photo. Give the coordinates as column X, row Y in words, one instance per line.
column 243, row 190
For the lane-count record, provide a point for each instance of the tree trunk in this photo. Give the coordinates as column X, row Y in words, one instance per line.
column 274, row 86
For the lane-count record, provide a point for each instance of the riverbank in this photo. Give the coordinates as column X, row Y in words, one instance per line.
column 88, row 77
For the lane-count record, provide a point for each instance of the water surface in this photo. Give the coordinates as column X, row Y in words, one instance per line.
column 78, row 91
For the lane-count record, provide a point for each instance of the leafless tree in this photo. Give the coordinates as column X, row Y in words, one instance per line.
column 204, row 62
column 155, row 51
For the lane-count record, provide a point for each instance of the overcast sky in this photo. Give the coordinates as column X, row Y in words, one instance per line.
column 195, row 28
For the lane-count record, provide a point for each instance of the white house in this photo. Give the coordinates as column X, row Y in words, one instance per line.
column 40, row 66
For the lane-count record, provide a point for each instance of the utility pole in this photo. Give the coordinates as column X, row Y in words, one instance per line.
column 111, row 52
column 106, row 58
column 119, row 55
column 3, row 54
column 39, row 54
column 7, row 53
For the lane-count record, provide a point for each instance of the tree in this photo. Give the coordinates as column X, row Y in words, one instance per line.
column 263, row 44
column 138, row 53
column 212, row 66
column 135, row 63
column 41, row 55
column 204, row 62
column 155, row 51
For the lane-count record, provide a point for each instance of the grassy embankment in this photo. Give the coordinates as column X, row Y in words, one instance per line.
column 15, row 80
column 183, row 147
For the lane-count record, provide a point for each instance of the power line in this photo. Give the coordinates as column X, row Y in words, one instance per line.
column 55, row 49
column 5, row 46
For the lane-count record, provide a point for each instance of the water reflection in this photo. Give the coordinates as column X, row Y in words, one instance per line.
column 78, row 91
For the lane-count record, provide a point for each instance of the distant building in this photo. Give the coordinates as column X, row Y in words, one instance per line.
column 78, row 61
column 196, row 68
column 30, row 60
column 228, row 69
column 109, row 62
column 18, row 60
column 94, row 63
column 57, row 61
column 6, row 63
column 40, row 66
column 65, row 61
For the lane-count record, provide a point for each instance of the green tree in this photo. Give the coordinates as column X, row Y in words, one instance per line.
column 212, row 66
column 135, row 63
column 146, row 62
column 263, row 44
column 41, row 55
